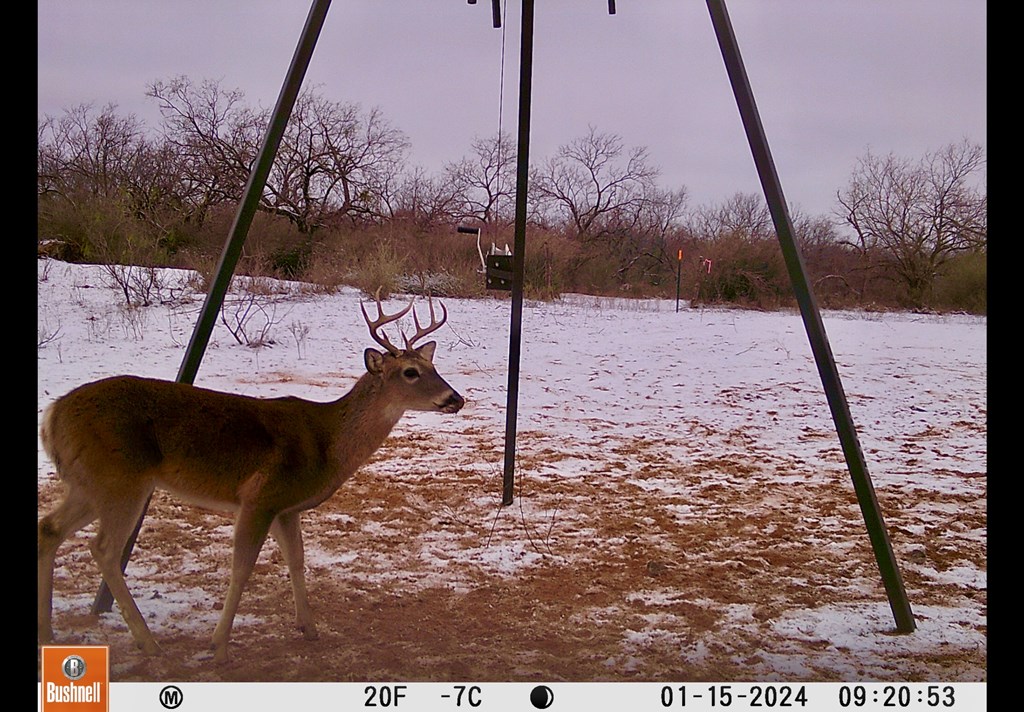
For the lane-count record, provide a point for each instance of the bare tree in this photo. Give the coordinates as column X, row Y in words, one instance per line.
column 334, row 160
column 158, row 194
column 85, row 152
column 486, row 181
column 641, row 235
column 607, row 198
column 919, row 214
column 125, row 186
column 419, row 199
column 590, row 184
column 743, row 216
column 215, row 136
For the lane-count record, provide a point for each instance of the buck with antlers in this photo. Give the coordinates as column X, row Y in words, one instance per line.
column 116, row 440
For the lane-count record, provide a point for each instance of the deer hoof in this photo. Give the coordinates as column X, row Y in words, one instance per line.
column 150, row 647
column 220, row 655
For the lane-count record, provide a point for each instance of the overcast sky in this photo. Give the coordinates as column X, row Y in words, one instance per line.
column 832, row 78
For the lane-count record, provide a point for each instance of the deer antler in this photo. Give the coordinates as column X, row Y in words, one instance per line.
column 434, row 324
column 381, row 320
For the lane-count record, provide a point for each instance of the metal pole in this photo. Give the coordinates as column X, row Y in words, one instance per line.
column 239, row 230
column 519, row 250
column 254, row 190
column 812, row 319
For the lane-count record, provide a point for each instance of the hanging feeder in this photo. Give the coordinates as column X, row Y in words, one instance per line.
column 496, row 265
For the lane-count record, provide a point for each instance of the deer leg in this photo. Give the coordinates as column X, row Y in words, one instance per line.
column 67, row 518
column 251, row 530
column 117, row 522
column 288, row 535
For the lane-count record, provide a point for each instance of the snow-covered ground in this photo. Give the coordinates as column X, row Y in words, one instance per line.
column 632, row 413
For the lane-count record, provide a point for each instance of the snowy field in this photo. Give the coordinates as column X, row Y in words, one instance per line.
column 683, row 509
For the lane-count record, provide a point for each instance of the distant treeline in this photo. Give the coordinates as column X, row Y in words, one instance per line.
column 342, row 206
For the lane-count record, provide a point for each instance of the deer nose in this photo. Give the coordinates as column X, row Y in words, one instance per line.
column 452, row 404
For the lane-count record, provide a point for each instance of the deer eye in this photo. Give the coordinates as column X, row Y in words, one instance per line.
column 411, row 374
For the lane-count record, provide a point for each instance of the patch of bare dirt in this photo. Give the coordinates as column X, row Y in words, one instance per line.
column 640, row 566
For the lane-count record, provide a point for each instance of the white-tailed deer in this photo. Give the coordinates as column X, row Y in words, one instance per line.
column 116, row 440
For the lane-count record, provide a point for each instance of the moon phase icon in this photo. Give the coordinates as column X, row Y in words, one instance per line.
column 541, row 697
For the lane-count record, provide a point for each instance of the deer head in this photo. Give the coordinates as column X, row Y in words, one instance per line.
column 409, row 373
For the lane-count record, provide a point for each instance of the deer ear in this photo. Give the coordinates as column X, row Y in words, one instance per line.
column 374, row 361
column 427, row 350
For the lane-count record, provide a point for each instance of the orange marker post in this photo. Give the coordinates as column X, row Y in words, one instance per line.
column 679, row 275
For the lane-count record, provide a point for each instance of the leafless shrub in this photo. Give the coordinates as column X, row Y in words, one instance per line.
column 134, row 319
column 299, row 332
column 44, row 276
column 100, row 325
column 172, row 334
column 251, row 313
column 141, row 286
column 181, row 290
column 46, row 332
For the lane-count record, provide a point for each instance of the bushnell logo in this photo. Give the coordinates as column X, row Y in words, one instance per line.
column 73, row 667
column 75, row 678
